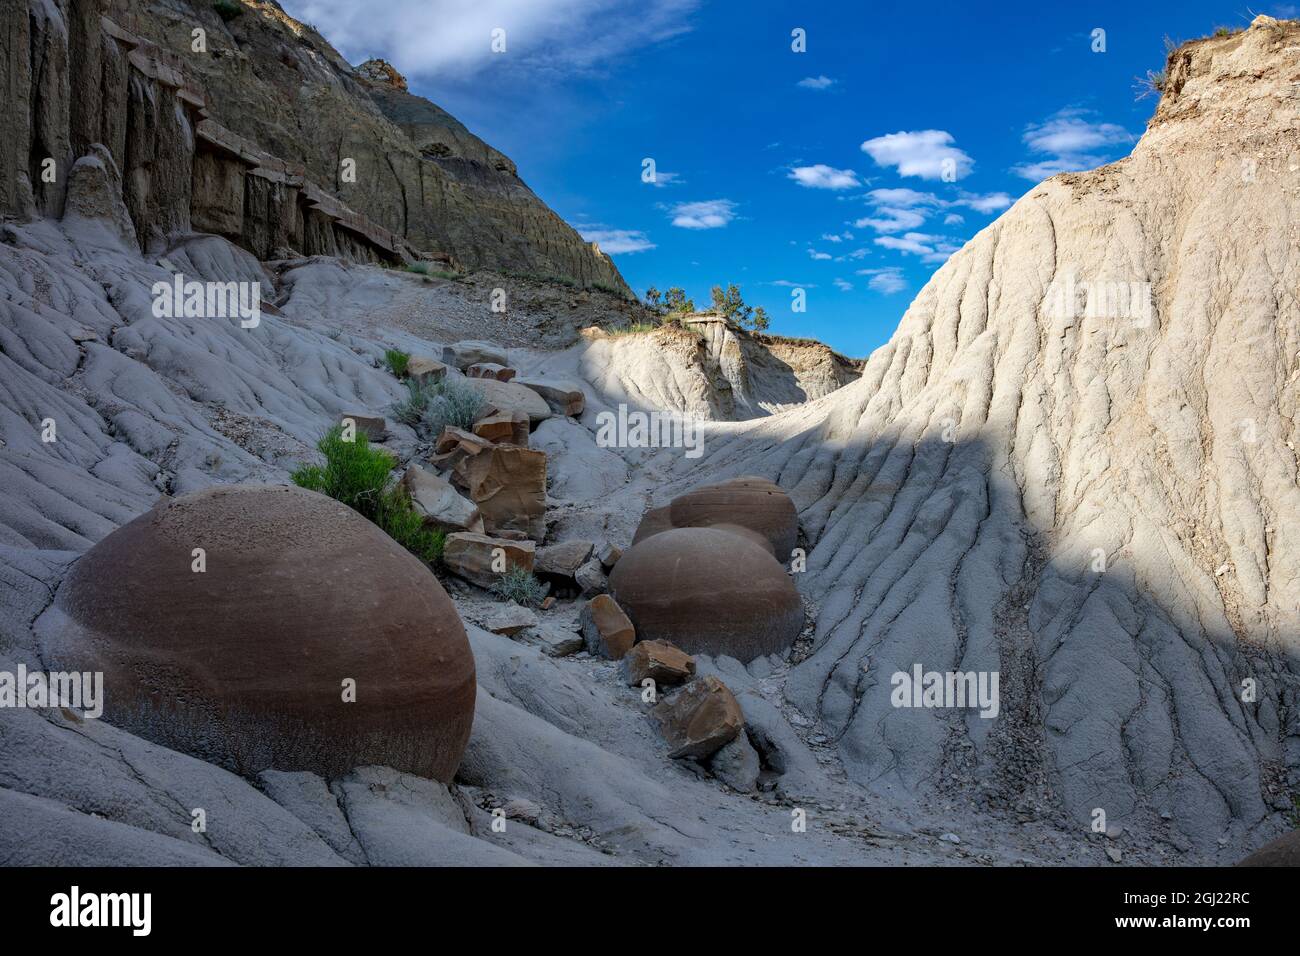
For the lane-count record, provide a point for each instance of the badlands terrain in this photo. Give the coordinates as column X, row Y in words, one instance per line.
column 1095, row 503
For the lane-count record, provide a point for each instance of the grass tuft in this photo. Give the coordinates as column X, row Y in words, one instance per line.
column 520, row 586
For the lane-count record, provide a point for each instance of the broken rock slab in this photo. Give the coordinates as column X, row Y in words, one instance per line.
column 563, row 560
column 490, row 370
column 511, row 397
column 497, row 427
column 424, row 370
column 563, row 398
column 508, row 484
column 659, row 661
column 462, row 355
column 556, row 641
column 608, row 554
column 700, row 719
column 605, row 628
column 591, row 578
column 439, row 503
column 510, row 620
column 475, row 557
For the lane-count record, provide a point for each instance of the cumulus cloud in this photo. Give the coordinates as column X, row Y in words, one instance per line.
column 615, row 241
column 926, row 153
column 888, row 280
column 930, row 248
column 1070, row 141
column 708, row 214
column 453, row 37
column 899, row 210
column 815, row 82
column 953, row 219
column 819, row 256
column 822, row 176
column 891, row 219
column 843, row 285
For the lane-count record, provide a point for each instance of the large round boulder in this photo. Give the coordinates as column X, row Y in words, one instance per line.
column 708, row 591
column 755, row 504
column 1283, row 851
column 300, row 636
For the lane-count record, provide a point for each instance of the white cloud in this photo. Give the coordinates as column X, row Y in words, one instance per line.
column 787, row 284
column 889, row 219
column 925, row 153
column 663, row 179
column 953, row 219
column 708, row 214
column 616, row 241
column 844, row 285
column 1071, row 142
column 815, row 82
column 929, row 248
column 903, row 197
column 888, row 280
column 987, row 203
column 454, row 37
column 819, row 256
column 822, row 176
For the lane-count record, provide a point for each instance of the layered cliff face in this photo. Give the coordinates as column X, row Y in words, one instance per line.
column 418, row 172
column 256, row 129
column 1075, row 464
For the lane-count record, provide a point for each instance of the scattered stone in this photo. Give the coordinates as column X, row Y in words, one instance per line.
column 1116, row 856
column 373, row 427
column 490, row 370
column 454, row 445
column 439, row 503
column 508, row 483
column 563, row 398
column 557, row 641
column 606, row 630
column 591, row 578
column 563, row 560
column 737, row 764
column 511, row 397
column 84, row 335
column 950, row 838
column 510, row 620
column 548, row 603
column 708, row 592
column 511, row 534
column 424, row 370
column 203, row 668
column 470, row 556
column 700, row 719
column 1114, row 831
column 498, row 427
column 471, row 352
column 659, row 661
column 608, row 554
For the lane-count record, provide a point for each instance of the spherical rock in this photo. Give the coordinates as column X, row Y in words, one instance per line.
column 753, row 503
column 249, row 662
column 1283, row 851
column 708, row 591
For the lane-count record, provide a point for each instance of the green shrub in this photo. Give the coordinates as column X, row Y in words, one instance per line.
column 353, row 473
column 633, row 328
column 357, row 475
column 426, row 270
column 430, row 407
column 397, row 361
column 520, row 586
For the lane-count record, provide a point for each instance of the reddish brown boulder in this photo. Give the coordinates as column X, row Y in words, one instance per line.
column 753, row 503
column 508, row 483
column 605, row 628
column 482, row 559
column 564, row 398
column 708, row 592
column 661, row 662
column 425, row 370
column 499, row 427
column 310, row 641
column 1284, row 851
column 652, row 522
column 700, row 719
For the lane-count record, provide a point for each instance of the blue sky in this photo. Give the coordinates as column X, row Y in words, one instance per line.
column 822, row 169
